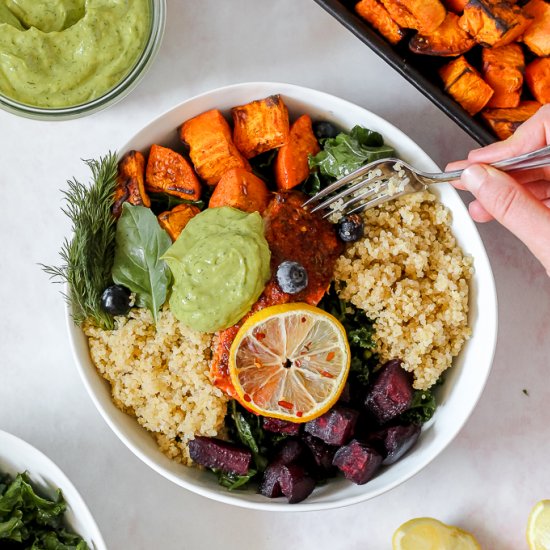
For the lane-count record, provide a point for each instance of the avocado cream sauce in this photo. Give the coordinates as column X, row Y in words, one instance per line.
column 220, row 264
column 59, row 53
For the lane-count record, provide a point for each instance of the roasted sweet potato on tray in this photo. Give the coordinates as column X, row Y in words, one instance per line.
column 260, row 126
column 503, row 70
column 465, row 85
column 211, row 146
column 173, row 221
column 291, row 165
column 537, row 35
column 240, row 189
column 169, row 172
column 505, row 122
column 447, row 40
column 494, row 23
column 130, row 182
column 537, row 75
column 457, row 6
column 422, row 15
column 378, row 16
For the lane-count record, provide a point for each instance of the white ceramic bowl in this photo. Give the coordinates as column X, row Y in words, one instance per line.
column 17, row 456
column 464, row 382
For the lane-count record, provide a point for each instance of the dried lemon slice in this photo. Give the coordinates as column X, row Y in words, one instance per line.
column 290, row 362
column 431, row 534
column 538, row 526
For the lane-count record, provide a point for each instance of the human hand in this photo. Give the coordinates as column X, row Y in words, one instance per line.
column 520, row 202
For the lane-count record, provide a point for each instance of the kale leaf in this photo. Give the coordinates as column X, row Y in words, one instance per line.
column 422, row 408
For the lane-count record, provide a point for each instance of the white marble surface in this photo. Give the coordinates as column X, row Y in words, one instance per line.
column 486, row 480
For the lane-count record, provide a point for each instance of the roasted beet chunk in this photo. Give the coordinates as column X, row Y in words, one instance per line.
column 270, row 486
column 295, row 483
column 358, row 461
column 391, row 393
column 335, row 427
column 291, row 450
column 322, row 454
column 280, row 426
column 398, row 440
column 215, row 453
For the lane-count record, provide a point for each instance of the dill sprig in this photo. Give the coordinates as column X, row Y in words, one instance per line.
column 88, row 256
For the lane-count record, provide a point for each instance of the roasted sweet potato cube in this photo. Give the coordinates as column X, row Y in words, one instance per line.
column 260, row 125
column 169, row 172
column 378, row 16
column 537, row 75
column 456, row 6
column 240, row 189
column 537, row 34
column 291, row 165
column 465, row 85
column 504, row 122
column 447, row 40
column 422, row 15
column 358, row 461
column 211, row 146
column 215, row 453
column 494, row 23
column 173, row 221
column 503, row 71
column 130, row 182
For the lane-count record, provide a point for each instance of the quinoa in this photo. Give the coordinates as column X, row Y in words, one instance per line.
column 411, row 277
column 160, row 376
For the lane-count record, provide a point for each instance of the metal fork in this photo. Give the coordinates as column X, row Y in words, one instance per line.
column 369, row 186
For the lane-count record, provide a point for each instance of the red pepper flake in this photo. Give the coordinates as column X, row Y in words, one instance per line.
column 326, row 374
column 285, row 405
column 303, row 319
column 247, row 398
column 260, row 336
column 258, row 363
column 330, row 356
column 298, row 363
column 299, row 414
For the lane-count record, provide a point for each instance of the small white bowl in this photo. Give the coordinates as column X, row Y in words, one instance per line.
column 464, row 382
column 17, row 456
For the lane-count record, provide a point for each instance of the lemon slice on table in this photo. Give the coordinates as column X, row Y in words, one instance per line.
column 538, row 526
column 431, row 534
column 290, row 361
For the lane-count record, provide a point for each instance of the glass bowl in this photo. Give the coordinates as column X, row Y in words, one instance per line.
column 111, row 96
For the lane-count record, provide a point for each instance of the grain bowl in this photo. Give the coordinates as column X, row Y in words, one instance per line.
column 464, row 299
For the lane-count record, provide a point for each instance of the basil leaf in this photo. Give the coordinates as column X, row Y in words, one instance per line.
column 140, row 243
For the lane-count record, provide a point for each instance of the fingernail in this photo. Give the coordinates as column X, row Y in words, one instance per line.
column 473, row 177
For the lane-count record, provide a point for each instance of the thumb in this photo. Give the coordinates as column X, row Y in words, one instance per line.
column 513, row 206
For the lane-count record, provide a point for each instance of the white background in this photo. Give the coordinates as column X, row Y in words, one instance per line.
column 486, row 481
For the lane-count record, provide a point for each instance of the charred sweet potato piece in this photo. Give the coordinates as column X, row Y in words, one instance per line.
column 447, row 40
column 280, row 426
column 291, row 164
column 392, row 392
column 537, row 34
column 173, row 221
column 260, row 125
column 494, row 23
column 240, row 189
column 358, row 461
column 168, row 172
column 335, row 427
column 422, row 15
column 215, row 453
column 211, row 146
column 503, row 71
column 130, row 185
column 537, row 75
column 378, row 16
column 504, row 122
column 465, row 85
column 456, row 6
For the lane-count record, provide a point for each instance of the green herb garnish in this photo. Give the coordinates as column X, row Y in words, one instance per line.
column 28, row 520
column 88, row 256
column 422, row 408
column 140, row 243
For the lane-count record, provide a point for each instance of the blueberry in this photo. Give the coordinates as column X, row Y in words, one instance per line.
column 324, row 129
column 292, row 277
column 351, row 228
column 116, row 300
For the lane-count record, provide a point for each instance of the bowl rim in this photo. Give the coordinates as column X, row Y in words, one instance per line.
column 111, row 96
column 232, row 498
column 68, row 487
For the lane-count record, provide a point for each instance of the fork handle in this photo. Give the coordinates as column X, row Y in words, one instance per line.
column 527, row 161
